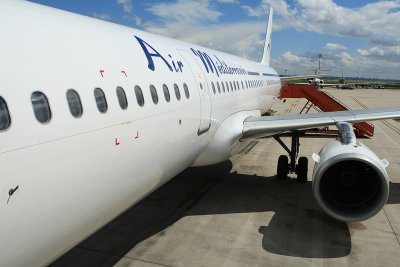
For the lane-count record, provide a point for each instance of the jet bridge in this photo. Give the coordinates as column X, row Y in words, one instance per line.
column 323, row 102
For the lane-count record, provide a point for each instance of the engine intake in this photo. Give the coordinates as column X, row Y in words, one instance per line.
column 350, row 182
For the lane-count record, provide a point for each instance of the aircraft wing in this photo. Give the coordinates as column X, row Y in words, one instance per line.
column 259, row 126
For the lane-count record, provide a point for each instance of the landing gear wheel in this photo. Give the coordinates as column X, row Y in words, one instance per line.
column 302, row 169
column 283, row 167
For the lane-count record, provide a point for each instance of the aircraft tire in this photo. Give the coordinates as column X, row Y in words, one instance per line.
column 302, row 170
column 283, row 167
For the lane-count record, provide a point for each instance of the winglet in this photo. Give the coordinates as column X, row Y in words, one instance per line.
column 267, row 46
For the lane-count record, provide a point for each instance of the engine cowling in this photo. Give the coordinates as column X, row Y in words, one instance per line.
column 350, row 182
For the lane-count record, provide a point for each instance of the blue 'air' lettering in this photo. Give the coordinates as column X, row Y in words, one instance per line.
column 154, row 53
column 207, row 61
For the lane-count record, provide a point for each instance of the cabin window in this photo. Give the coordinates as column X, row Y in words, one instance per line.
column 74, row 103
column 177, row 92
column 122, row 100
column 242, row 86
column 154, row 94
column 186, row 89
column 101, row 100
column 231, row 86
column 237, row 83
column 166, row 93
column 139, row 96
column 41, row 107
column 234, row 84
column 5, row 119
column 227, row 86
column 223, row 87
column 219, row 88
column 213, row 87
column 247, row 86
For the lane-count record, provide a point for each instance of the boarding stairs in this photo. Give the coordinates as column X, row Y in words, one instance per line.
column 323, row 102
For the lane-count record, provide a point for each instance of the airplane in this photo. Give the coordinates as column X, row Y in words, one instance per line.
column 95, row 116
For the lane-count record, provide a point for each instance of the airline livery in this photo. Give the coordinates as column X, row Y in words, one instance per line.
column 94, row 116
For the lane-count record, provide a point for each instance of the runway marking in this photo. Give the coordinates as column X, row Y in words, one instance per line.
column 388, row 124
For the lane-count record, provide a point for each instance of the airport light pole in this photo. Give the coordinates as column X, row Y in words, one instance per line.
column 319, row 62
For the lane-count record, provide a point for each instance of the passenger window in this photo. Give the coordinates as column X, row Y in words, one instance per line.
column 242, row 86
column 166, row 93
column 100, row 100
column 213, row 87
column 234, row 85
column 227, row 86
column 139, row 96
column 223, row 87
column 154, row 94
column 5, row 119
column 186, row 89
column 74, row 103
column 177, row 92
column 123, row 102
column 231, row 86
column 41, row 107
column 237, row 83
column 219, row 88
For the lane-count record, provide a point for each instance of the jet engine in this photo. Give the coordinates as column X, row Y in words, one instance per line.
column 316, row 80
column 350, row 182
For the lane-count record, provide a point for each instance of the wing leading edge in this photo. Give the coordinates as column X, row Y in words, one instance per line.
column 258, row 126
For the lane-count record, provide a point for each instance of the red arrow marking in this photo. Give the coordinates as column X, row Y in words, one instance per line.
column 124, row 73
column 117, row 142
column 137, row 135
column 101, row 72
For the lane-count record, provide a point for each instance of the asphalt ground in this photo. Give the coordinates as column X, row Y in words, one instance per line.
column 238, row 214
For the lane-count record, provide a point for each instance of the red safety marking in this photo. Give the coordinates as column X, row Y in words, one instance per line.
column 117, row 142
column 101, row 72
column 137, row 135
column 124, row 73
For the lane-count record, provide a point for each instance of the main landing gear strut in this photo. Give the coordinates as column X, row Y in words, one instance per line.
column 284, row 166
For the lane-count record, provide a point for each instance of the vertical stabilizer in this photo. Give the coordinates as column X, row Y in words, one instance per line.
column 267, row 46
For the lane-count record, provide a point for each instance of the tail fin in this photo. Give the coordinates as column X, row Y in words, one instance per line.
column 267, row 46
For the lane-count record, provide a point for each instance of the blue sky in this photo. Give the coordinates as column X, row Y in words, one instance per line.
column 359, row 36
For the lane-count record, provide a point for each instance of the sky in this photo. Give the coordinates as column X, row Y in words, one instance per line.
column 360, row 38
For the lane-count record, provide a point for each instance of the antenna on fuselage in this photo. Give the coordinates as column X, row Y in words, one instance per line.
column 266, row 59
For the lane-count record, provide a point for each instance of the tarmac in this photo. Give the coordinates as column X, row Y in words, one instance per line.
column 238, row 214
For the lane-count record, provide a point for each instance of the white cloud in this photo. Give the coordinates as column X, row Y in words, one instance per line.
column 126, row 5
column 333, row 46
column 197, row 22
column 378, row 22
column 138, row 20
column 102, row 16
column 228, row 1
column 186, row 11
column 391, row 53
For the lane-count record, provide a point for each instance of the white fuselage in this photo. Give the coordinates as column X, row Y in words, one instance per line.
column 74, row 175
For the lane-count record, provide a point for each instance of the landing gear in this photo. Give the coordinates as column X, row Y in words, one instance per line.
column 285, row 167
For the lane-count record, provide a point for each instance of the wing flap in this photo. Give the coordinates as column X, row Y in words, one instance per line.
column 257, row 126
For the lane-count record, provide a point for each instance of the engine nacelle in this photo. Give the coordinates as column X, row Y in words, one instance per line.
column 350, row 182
